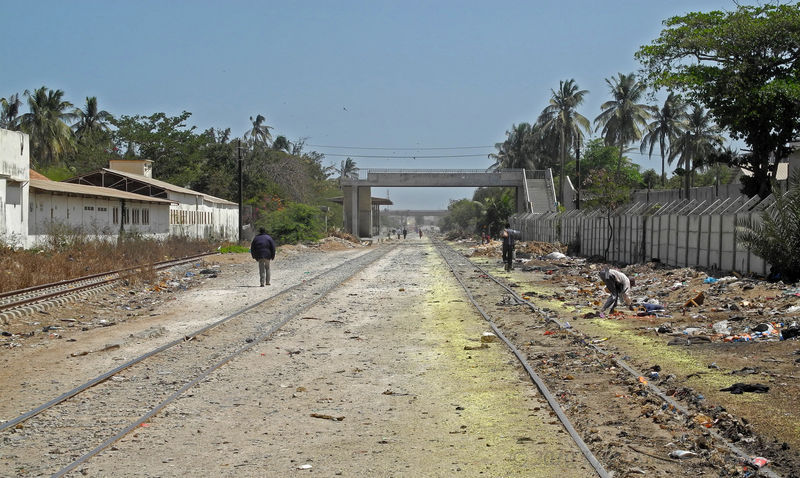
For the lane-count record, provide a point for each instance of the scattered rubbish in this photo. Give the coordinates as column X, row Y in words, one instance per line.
column 682, row 454
column 189, row 274
column 793, row 309
column 692, row 340
column 555, row 256
column 703, row 420
column 759, row 461
column 664, row 328
column 652, row 307
column 692, row 331
column 697, row 301
column 488, row 337
column 764, row 328
column 722, row 327
column 738, row 338
column 476, row 347
column 304, row 467
column 208, row 271
column 790, row 332
column 710, row 280
column 676, row 285
column 739, row 388
column 327, row 417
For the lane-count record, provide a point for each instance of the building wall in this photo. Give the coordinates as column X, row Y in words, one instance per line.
column 53, row 213
column 14, row 183
column 192, row 216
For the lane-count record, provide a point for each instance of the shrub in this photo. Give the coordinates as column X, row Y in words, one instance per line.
column 776, row 238
column 294, row 223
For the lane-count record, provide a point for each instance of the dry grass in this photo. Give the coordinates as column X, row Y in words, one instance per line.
column 69, row 257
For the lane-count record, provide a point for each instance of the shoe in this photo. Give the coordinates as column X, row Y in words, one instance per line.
column 267, row 283
column 262, row 285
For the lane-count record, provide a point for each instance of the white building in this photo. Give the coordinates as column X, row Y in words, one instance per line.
column 14, row 180
column 102, row 213
column 192, row 214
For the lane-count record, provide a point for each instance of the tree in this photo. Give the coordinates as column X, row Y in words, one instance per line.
column 699, row 141
column 776, row 238
column 606, row 194
column 175, row 148
column 515, row 152
column 9, row 111
column 463, row 216
column 622, row 118
column 282, row 144
column 668, row 123
column 743, row 66
column 90, row 120
column 46, row 125
column 598, row 157
column 561, row 119
column 258, row 136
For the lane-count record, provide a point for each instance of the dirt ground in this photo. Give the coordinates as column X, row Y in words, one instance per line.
column 703, row 341
column 383, row 377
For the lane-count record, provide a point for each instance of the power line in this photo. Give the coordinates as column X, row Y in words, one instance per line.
column 396, row 149
column 407, row 157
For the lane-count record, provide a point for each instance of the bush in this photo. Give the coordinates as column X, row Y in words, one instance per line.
column 294, row 223
column 776, row 239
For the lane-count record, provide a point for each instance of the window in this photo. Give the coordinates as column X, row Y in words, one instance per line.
column 102, row 209
column 13, row 192
column 145, row 216
column 126, row 216
column 88, row 208
column 115, row 215
column 135, row 216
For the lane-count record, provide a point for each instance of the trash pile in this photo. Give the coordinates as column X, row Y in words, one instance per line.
column 687, row 304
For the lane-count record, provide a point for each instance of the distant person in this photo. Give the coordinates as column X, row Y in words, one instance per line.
column 509, row 239
column 263, row 250
column 398, row 233
column 619, row 285
column 420, row 233
column 405, row 232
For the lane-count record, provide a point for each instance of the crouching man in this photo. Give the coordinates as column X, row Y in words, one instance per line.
column 619, row 285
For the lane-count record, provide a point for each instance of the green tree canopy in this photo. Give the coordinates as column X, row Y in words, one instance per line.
column 743, row 65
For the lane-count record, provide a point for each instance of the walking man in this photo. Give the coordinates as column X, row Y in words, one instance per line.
column 619, row 285
column 263, row 250
column 509, row 239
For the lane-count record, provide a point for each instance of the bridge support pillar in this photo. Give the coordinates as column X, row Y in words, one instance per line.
column 358, row 210
column 520, row 197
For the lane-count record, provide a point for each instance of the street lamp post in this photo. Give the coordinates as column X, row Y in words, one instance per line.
column 239, row 151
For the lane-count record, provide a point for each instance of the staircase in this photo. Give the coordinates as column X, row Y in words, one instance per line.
column 540, row 193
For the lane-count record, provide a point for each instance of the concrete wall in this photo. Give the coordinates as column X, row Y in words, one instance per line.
column 14, row 177
column 680, row 237
column 192, row 216
column 102, row 218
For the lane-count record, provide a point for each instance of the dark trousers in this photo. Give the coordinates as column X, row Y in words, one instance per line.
column 508, row 256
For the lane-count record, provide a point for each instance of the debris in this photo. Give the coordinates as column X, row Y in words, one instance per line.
column 722, row 327
column 682, row 454
column 488, row 337
column 327, row 417
column 697, row 301
column 790, row 332
column 304, row 467
column 476, row 347
column 739, row 388
column 555, row 256
column 710, row 280
column 759, row 461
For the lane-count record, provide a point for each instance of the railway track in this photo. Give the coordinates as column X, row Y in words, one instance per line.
column 19, row 302
column 59, row 436
column 458, row 264
column 462, row 267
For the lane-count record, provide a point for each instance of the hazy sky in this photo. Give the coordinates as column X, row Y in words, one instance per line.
column 378, row 74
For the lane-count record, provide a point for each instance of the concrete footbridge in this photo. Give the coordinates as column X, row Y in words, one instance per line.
column 534, row 190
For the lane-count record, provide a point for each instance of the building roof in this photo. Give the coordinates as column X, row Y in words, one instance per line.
column 159, row 184
column 95, row 191
column 35, row 175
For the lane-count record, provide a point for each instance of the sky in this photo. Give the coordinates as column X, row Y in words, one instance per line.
column 343, row 74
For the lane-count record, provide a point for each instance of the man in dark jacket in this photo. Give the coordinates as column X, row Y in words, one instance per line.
column 509, row 239
column 263, row 250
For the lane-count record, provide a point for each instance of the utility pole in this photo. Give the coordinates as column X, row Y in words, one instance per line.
column 239, row 151
column 578, row 174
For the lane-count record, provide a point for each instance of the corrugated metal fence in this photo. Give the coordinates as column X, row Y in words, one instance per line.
column 681, row 233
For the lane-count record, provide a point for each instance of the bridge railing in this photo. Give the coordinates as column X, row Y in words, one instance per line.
column 364, row 173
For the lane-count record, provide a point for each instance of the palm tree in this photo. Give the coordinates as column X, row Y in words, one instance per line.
column 668, row 123
column 622, row 118
column 45, row 123
column 515, row 152
column 701, row 138
column 259, row 135
column 561, row 119
column 90, row 120
column 10, row 111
